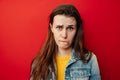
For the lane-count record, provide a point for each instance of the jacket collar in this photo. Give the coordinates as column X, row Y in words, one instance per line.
column 74, row 57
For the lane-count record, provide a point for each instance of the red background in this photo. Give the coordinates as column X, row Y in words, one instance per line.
column 23, row 28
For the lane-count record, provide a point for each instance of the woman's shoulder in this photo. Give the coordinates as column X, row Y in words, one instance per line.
column 93, row 58
column 90, row 56
column 33, row 64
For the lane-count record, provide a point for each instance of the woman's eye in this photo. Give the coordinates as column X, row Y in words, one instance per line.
column 70, row 28
column 59, row 27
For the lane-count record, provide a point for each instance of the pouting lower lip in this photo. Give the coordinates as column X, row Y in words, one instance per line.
column 65, row 42
column 62, row 41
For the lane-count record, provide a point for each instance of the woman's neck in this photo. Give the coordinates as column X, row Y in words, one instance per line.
column 64, row 52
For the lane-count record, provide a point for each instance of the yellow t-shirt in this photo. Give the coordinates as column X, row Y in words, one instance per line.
column 61, row 63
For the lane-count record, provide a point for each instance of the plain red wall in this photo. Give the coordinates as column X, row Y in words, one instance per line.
column 23, row 28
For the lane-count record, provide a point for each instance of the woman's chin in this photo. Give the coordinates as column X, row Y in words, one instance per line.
column 64, row 47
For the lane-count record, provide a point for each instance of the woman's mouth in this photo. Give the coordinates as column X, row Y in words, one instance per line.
column 63, row 42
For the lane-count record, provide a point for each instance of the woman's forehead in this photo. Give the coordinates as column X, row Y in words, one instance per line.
column 63, row 19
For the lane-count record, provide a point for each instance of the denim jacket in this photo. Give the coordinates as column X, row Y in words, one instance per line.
column 77, row 70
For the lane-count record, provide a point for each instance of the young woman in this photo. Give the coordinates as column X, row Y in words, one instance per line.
column 63, row 55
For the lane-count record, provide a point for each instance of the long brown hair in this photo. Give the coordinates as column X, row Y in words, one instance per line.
column 44, row 59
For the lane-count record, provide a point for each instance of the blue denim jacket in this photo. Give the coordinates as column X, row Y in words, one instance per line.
column 77, row 70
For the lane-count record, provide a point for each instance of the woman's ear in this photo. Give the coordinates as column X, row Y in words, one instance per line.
column 51, row 27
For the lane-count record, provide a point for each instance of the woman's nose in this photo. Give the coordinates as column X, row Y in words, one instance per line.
column 64, row 33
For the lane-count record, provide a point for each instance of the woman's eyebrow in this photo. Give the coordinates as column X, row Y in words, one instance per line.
column 67, row 25
column 71, row 25
column 59, row 25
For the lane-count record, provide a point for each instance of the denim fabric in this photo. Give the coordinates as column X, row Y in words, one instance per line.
column 77, row 70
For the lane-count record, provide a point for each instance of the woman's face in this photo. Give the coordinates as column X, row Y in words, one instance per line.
column 64, row 29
